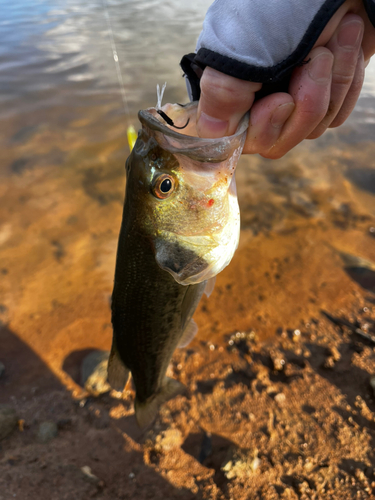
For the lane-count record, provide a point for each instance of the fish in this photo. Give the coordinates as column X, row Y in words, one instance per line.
column 180, row 228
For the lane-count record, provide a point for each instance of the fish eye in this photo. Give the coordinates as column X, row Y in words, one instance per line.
column 166, row 186
column 163, row 186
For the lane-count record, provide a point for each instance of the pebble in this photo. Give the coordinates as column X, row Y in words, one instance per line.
column 329, row 362
column 169, row 439
column 2, row 368
column 47, row 431
column 240, row 463
column 333, row 358
column 280, row 398
column 89, row 476
column 277, row 359
column 335, row 353
column 165, row 440
column 94, row 372
column 8, row 421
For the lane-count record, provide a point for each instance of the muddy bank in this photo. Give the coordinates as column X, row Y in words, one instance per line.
column 291, row 418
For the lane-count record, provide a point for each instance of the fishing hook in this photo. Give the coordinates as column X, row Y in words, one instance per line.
column 170, row 121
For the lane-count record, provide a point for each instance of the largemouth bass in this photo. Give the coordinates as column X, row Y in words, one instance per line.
column 180, row 228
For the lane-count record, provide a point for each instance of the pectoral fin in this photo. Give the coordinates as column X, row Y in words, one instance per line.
column 178, row 260
column 210, row 285
column 118, row 374
column 146, row 412
column 189, row 333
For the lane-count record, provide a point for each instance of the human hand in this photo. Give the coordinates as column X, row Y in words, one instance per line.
column 321, row 94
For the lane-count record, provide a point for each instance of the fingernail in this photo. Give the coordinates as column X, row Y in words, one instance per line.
column 320, row 67
column 281, row 114
column 211, row 127
column 350, row 34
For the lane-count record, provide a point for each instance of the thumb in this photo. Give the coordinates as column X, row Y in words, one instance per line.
column 223, row 102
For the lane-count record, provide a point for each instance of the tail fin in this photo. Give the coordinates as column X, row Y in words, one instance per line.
column 118, row 374
column 146, row 412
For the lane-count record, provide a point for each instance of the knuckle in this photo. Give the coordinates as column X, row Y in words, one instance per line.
column 343, row 79
column 310, row 117
column 219, row 92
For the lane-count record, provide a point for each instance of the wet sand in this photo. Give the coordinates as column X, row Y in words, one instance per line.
column 278, row 403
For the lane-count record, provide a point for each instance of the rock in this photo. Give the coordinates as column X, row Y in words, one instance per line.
column 2, row 368
column 280, row 398
column 240, row 463
column 89, row 476
column 8, row 421
column 169, row 439
column 335, row 353
column 94, row 372
column 47, row 431
column 329, row 362
column 278, row 359
column 165, row 440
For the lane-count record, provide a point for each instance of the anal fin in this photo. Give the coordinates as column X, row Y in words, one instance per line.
column 146, row 412
column 118, row 374
column 189, row 333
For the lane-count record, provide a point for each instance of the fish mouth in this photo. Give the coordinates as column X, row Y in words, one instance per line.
column 189, row 143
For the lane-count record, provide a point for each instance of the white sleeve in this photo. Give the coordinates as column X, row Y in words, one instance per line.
column 260, row 40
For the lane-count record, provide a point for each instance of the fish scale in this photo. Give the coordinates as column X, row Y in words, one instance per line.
column 146, row 316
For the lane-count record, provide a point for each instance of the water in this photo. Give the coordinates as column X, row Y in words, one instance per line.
column 63, row 146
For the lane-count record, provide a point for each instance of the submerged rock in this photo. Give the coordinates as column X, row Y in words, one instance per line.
column 47, row 431
column 8, row 421
column 94, row 372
